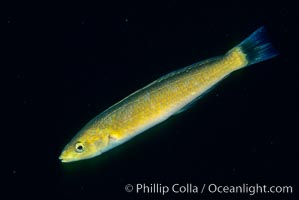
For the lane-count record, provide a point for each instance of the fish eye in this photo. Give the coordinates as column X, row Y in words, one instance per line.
column 79, row 147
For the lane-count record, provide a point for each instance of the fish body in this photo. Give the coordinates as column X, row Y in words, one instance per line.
column 163, row 98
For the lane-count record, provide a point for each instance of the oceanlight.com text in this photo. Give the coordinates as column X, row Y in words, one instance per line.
column 212, row 188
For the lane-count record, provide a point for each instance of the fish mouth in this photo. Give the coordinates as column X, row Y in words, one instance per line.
column 64, row 159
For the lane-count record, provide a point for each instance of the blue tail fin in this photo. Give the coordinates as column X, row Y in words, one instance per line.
column 257, row 47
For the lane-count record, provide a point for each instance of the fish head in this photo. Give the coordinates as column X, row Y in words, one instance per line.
column 86, row 144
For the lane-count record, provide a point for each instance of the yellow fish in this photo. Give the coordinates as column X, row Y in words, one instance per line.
column 163, row 98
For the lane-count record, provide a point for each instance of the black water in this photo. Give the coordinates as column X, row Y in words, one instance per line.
column 68, row 62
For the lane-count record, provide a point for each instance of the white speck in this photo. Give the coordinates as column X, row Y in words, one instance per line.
column 14, row 171
column 19, row 76
column 126, row 20
column 8, row 21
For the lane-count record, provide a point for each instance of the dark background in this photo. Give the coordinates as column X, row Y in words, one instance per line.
column 65, row 63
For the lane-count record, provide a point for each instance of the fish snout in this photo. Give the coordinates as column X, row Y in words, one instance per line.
column 64, row 158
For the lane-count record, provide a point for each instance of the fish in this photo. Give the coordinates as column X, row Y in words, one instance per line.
column 169, row 95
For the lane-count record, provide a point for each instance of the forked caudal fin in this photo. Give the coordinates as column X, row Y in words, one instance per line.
column 256, row 47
